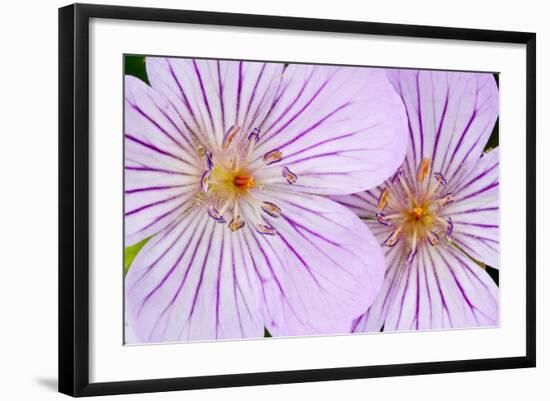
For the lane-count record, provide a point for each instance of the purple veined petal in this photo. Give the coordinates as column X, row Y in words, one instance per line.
column 321, row 270
column 451, row 116
column 340, row 129
column 441, row 288
column 153, row 129
column 475, row 211
column 213, row 95
column 193, row 282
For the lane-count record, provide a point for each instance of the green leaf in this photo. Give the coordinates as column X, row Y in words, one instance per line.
column 266, row 333
column 135, row 65
column 131, row 252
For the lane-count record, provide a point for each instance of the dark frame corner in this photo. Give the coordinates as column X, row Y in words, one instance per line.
column 74, row 191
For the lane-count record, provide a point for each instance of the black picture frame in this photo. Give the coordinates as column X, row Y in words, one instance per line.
column 74, row 194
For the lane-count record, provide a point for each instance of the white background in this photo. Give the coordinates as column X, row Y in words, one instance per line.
column 28, row 166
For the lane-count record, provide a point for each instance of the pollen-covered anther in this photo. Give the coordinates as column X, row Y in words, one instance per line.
column 290, row 177
column 383, row 199
column 265, row 229
column 381, row 218
column 213, row 212
column 445, row 200
column 271, row 209
column 273, row 156
column 208, row 158
column 229, row 136
column 441, row 179
column 432, row 238
column 423, row 169
column 254, row 135
column 236, row 224
column 450, row 227
column 205, row 179
column 393, row 238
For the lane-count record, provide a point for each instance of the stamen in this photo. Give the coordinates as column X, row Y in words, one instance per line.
column 450, row 227
column 423, row 169
column 254, row 135
column 273, row 156
column 439, row 177
column 432, row 238
column 265, row 229
column 382, row 219
column 393, row 238
column 201, row 150
column 212, row 212
column 236, row 224
column 229, row 136
column 205, row 179
column 271, row 209
column 383, row 199
column 397, row 175
column 445, row 200
column 208, row 157
column 291, row 178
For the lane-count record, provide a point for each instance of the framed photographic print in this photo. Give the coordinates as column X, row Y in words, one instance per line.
column 249, row 199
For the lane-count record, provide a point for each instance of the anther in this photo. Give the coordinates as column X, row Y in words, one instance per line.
column 423, row 169
column 445, row 200
column 383, row 199
column 254, row 135
column 291, row 178
column 229, row 136
column 381, row 218
column 208, row 157
column 432, row 238
column 393, row 238
column 439, row 177
column 271, row 209
column 265, row 229
column 273, row 156
column 212, row 212
column 236, row 224
column 450, row 227
column 205, row 179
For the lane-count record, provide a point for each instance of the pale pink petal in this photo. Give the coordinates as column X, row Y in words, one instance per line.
column 160, row 170
column 441, row 288
column 451, row 116
column 475, row 211
column 193, row 281
column 213, row 95
column 322, row 269
column 340, row 129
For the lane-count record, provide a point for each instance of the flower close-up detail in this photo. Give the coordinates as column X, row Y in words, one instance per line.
column 226, row 165
column 438, row 215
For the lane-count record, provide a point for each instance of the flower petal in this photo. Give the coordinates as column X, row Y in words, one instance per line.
column 160, row 170
column 441, row 288
column 193, row 281
column 451, row 116
column 322, row 269
column 475, row 211
column 340, row 129
column 213, row 95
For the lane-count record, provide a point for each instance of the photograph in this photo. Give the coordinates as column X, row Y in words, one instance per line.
column 284, row 199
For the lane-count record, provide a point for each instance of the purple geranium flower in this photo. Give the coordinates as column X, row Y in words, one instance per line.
column 225, row 162
column 440, row 210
